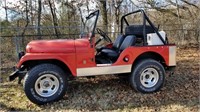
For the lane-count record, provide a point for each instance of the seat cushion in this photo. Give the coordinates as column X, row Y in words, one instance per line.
column 110, row 53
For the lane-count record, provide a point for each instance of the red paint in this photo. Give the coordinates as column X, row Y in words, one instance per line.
column 68, row 58
column 51, row 46
column 85, row 54
column 134, row 52
column 80, row 53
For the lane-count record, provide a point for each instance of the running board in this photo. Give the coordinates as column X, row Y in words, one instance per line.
column 102, row 70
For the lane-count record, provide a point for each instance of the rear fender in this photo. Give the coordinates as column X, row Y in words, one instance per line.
column 134, row 52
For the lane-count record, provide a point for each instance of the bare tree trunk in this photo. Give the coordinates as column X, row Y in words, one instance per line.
column 87, row 6
column 104, row 14
column 27, row 23
column 181, row 34
column 68, row 18
column 39, row 19
column 31, row 12
column 54, row 18
column 117, row 12
column 117, row 4
column 6, row 10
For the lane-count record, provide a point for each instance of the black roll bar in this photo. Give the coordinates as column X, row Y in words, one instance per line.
column 145, row 18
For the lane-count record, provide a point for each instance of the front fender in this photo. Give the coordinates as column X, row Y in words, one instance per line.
column 67, row 58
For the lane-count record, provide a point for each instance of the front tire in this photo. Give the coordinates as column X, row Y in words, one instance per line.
column 45, row 83
column 147, row 76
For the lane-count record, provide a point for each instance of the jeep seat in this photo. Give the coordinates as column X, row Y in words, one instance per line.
column 137, row 30
column 118, row 41
column 113, row 54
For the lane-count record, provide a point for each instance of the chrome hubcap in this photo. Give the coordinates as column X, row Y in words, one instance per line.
column 149, row 77
column 47, row 85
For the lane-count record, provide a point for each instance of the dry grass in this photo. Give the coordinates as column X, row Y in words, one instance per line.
column 109, row 93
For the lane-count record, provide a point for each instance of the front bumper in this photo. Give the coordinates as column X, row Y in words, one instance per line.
column 13, row 75
column 17, row 73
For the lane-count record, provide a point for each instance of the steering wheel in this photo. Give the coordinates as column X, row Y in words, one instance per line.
column 104, row 35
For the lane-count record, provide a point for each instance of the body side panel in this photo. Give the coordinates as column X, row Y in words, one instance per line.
column 85, row 53
column 121, row 66
column 82, row 63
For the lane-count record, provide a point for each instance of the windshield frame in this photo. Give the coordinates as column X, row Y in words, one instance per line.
column 91, row 15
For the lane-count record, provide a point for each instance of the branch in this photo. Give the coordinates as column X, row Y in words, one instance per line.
column 177, row 5
column 118, row 3
column 169, row 11
column 70, row 5
column 190, row 4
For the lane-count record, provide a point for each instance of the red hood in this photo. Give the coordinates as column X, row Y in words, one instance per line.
column 51, row 46
column 57, row 46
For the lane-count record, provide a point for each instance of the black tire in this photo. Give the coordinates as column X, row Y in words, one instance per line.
column 147, row 76
column 138, row 30
column 45, row 83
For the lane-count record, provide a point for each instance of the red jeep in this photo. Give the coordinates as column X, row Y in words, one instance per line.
column 139, row 50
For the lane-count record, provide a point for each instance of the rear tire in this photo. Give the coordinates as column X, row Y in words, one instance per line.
column 45, row 83
column 147, row 76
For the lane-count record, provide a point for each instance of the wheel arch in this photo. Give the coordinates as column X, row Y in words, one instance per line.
column 31, row 63
column 150, row 55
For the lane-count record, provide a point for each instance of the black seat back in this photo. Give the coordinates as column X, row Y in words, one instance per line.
column 118, row 41
column 138, row 30
column 128, row 41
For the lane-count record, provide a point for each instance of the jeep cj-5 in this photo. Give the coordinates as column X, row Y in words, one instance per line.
column 141, row 52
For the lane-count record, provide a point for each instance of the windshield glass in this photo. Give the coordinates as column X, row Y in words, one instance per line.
column 90, row 23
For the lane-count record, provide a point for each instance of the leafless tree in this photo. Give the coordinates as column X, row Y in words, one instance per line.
column 54, row 17
column 6, row 9
column 103, row 5
column 117, row 4
column 27, row 22
column 39, row 19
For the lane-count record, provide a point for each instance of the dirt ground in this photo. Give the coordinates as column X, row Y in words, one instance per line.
column 109, row 93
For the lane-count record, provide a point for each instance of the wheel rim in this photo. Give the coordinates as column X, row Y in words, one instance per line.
column 47, row 85
column 149, row 77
